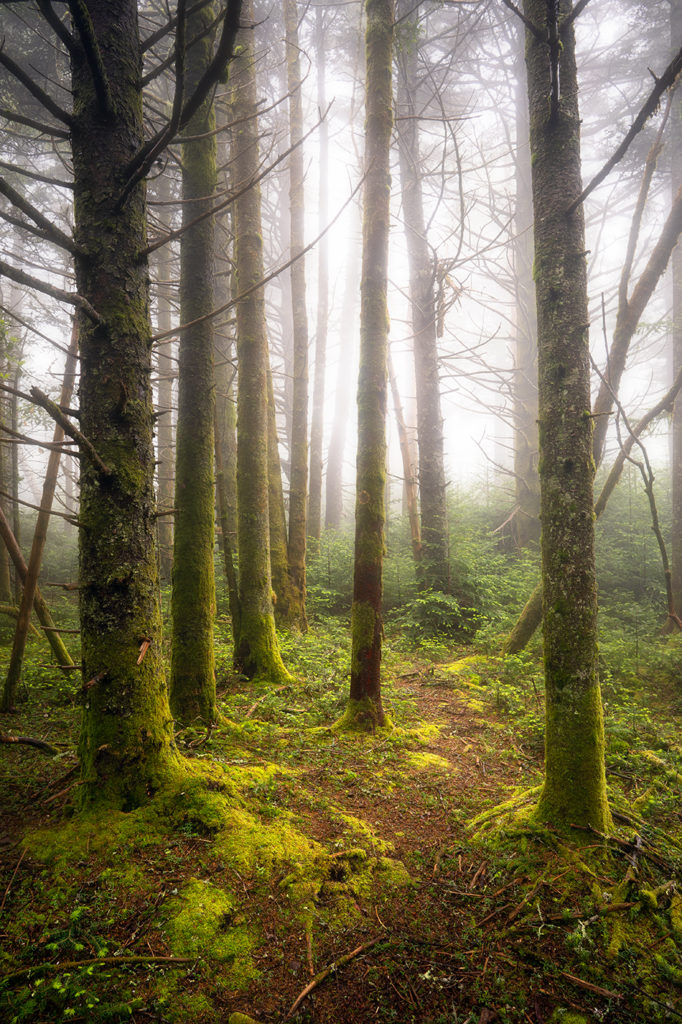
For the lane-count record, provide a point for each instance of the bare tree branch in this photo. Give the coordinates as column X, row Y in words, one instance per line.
column 45, row 179
column 50, row 232
column 648, row 108
column 57, row 25
column 22, row 76
column 30, row 122
column 73, row 298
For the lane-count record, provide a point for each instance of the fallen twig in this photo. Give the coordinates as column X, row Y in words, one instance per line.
column 72, row 965
column 323, row 975
column 47, row 748
column 592, row 988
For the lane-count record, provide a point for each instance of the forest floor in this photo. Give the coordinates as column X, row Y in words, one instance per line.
column 312, row 876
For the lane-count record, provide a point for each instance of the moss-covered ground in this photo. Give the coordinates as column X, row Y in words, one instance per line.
column 408, row 857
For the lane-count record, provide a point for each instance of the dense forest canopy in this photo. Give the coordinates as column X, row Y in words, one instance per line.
column 341, row 510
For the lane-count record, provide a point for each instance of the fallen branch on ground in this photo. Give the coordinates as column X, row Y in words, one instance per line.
column 5, row 737
column 323, row 975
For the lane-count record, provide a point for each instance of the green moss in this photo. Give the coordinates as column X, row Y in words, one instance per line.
column 423, row 761
column 241, row 1018
column 676, row 915
column 363, row 622
column 248, row 843
column 517, row 807
column 204, row 921
column 668, row 970
column 361, row 716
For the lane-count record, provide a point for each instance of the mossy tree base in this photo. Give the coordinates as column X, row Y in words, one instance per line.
column 364, row 715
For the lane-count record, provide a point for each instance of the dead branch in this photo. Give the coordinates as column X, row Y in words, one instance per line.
column 648, row 108
column 72, row 298
column 592, row 988
column 74, row 965
column 50, row 407
column 47, row 228
column 47, row 748
column 32, row 86
column 323, row 975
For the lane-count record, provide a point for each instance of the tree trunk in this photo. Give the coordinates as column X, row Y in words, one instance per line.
column 279, row 557
column 126, row 748
column 298, row 456
column 39, row 536
column 574, row 790
column 257, row 652
column 166, row 371
column 226, row 413
column 434, row 571
column 365, row 709
column 192, row 680
column 317, row 424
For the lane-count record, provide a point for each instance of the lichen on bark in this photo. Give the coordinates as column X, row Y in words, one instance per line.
column 574, row 790
column 126, row 747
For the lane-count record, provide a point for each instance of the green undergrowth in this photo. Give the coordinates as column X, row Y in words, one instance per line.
column 285, row 840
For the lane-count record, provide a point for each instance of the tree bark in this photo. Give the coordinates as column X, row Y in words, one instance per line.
column 574, row 790
column 166, row 371
column 226, row 406
column 126, row 748
column 365, row 709
column 298, row 456
column 257, row 651
column 192, row 678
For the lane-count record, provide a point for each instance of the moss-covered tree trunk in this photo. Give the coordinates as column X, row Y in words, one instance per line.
column 166, row 369
column 433, row 571
column 225, row 400
column 192, row 679
column 126, row 745
column 322, row 324
column 574, row 790
column 257, row 651
column 365, row 709
column 298, row 461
